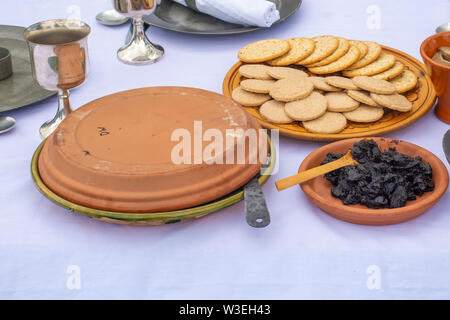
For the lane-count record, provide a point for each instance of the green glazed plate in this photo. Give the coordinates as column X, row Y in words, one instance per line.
column 154, row 218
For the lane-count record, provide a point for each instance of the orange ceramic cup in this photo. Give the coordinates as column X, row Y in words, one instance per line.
column 440, row 74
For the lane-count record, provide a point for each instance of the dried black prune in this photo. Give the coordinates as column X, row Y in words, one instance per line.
column 382, row 179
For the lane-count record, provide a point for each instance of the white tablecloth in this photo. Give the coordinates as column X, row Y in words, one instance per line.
column 47, row 252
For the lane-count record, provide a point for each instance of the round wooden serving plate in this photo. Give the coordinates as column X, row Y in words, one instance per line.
column 153, row 218
column 422, row 97
column 319, row 190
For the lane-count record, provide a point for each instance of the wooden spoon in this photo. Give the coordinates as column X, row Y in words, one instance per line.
column 307, row 175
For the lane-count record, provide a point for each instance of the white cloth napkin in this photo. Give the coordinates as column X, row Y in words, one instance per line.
column 259, row 13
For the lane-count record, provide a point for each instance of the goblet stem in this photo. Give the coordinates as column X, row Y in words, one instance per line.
column 63, row 110
column 140, row 50
column 130, row 32
column 138, row 29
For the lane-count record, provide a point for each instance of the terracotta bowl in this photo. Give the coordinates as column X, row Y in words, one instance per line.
column 319, row 190
column 440, row 74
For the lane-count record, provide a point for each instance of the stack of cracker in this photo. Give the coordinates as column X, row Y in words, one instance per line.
column 344, row 80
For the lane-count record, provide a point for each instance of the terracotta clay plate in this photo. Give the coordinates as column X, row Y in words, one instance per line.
column 319, row 190
column 155, row 149
column 146, row 150
column 149, row 218
column 422, row 97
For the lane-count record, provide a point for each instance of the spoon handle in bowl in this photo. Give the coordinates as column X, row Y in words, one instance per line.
column 307, row 175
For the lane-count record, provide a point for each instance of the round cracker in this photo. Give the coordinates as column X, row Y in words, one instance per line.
column 263, row 50
column 256, row 85
column 342, row 49
column 364, row 113
column 341, row 82
column 383, row 62
column 286, row 73
column 393, row 101
column 340, row 102
column 273, row 111
column 291, row 89
column 255, row 71
column 309, row 108
column 392, row 72
column 362, row 97
column 373, row 52
column 300, row 49
column 406, row 81
column 249, row 99
column 340, row 64
column 361, row 46
column 329, row 122
column 325, row 46
column 375, row 85
column 321, row 84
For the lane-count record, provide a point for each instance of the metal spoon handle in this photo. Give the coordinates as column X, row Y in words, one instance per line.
column 256, row 212
column 6, row 124
column 446, row 145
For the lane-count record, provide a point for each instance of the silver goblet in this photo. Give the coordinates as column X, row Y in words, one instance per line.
column 59, row 58
column 139, row 50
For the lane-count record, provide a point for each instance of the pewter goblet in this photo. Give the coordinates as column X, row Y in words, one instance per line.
column 59, row 58
column 139, row 50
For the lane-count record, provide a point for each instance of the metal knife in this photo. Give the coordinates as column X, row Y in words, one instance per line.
column 256, row 212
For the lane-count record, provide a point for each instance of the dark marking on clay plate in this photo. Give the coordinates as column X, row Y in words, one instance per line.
column 102, row 131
